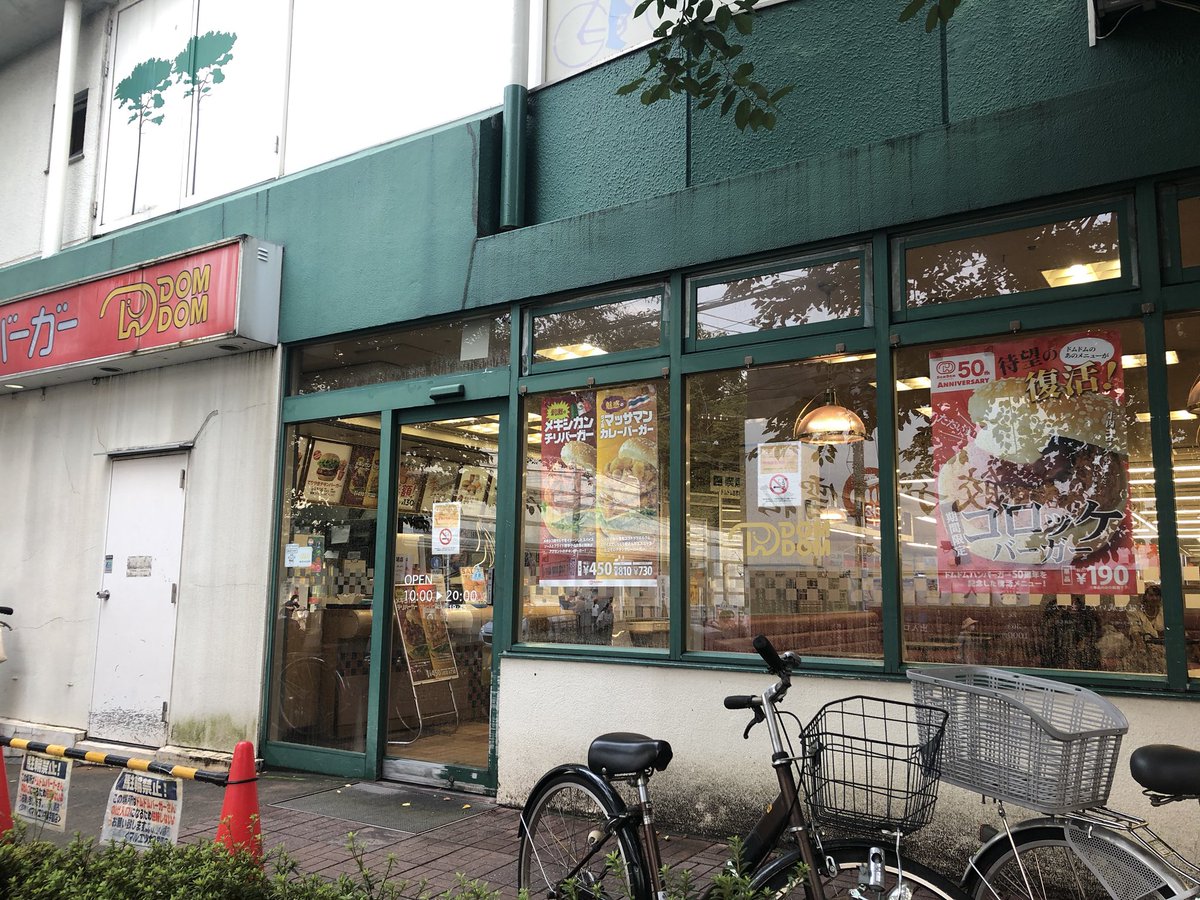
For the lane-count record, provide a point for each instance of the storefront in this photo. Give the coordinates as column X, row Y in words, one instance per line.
column 651, row 474
column 140, row 410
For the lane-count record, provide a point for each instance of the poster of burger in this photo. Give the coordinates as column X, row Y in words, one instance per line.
column 1031, row 464
column 325, row 472
column 600, row 488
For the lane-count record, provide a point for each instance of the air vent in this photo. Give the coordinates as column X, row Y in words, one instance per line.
column 264, row 255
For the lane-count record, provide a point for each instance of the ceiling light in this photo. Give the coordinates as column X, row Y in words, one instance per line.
column 833, row 515
column 830, row 424
column 849, row 358
column 571, row 351
column 1083, row 273
column 15, row 387
column 926, row 411
column 1138, row 360
column 1177, row 415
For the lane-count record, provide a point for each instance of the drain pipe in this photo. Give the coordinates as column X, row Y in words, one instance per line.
column 516, row 96
column 60, row 135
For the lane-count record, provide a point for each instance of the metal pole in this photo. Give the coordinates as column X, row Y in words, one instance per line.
column 60, row 139
column 512, row 166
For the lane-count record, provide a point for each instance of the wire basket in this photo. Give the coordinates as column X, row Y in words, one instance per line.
column 872, row 765
column 1041, row 744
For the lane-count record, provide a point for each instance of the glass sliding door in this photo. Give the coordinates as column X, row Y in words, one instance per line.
column 443, row 591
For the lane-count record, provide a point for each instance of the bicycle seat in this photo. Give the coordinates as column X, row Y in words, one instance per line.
column 625, row 753
column 1166, row 769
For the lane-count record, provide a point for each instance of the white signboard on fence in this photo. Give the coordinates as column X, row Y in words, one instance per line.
column 42, row 791
column 143, row 809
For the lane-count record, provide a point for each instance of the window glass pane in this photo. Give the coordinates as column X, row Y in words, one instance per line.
column 1028, row 528
column 1056, row 254
column 594, row 567
column 1189, row 232
column 442, row 349
column 800, row 296
column 783, row 535
column 326, row 581
column 1183, row 389
column 596, row 330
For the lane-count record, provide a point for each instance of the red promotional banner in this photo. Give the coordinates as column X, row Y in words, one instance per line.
column 1031, row 466
column 185, row 299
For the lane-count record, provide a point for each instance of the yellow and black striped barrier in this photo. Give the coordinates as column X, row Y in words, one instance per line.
column 113, row 759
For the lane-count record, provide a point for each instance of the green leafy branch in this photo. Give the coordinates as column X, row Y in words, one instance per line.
column 695, row 57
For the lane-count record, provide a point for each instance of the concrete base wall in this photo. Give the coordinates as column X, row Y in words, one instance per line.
column 550, row 710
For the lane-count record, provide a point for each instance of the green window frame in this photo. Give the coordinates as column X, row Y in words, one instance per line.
column 1119, row 205
column 709, row 277
column 1170, row 196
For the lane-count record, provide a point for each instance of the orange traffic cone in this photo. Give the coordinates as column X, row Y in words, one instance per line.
column 239, row 827
column 6, row 820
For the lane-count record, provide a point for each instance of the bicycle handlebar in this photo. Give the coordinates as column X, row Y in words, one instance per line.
column 6, row 611
column 765, row 649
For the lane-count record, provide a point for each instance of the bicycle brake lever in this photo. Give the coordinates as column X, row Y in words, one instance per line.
column 759, row 716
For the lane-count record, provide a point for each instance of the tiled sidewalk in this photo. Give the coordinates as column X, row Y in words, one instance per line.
column 482, row 847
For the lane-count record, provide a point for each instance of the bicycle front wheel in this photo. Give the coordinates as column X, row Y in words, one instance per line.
column 848, row 858
column 1043, row 866
column 568, row 836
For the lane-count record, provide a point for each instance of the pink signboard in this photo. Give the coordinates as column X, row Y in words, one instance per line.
column 1031, row 464
column 148, row 308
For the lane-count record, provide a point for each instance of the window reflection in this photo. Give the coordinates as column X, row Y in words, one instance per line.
column 801, row 295
column 783, row 535
column 1029, row 535
column 1056, row 254
column 1189, row 232
column 1183, row 334
column 634, row 324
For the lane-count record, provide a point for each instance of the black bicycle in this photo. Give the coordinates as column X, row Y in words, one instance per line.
column 867, row 766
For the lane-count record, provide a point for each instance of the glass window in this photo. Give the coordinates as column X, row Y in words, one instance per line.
column 594, row 566
column 782, row 522
column 426, row 351
column 1183, row 390
column 1028, row 528
column 633, row 324
column 1055, row 254
column 1189, row 232
column 326, row 581
column 806, row 294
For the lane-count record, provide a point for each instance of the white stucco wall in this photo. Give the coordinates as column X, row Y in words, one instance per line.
column 26, row 105
column 52, row 533
column 548, row 712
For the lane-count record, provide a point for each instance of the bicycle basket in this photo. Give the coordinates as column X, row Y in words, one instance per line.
column 870, row 764
column 1041, row 744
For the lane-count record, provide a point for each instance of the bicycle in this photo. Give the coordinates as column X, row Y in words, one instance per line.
column 578, row 839
column 1052, row 747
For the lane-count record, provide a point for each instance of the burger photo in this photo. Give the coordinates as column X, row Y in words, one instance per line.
column 627, row 491
column 327, row 466
column 1039, row 482
column 568, row 510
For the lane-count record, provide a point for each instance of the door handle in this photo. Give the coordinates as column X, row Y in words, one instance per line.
column 103, row 595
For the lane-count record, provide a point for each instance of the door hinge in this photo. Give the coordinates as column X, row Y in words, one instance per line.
column 164, row 713
column 104, row 69
column 95, row 209
column 174, row 591
column 182, row 478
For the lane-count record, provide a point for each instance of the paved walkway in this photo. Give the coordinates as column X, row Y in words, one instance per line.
column 429, row 835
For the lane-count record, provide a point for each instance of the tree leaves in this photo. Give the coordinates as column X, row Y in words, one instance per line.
column 695, row 58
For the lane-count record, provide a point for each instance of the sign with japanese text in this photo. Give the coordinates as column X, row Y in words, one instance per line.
column 423, row 631
column 1031, row 466
column 779, row 474
column 446, row 528
column 143, row 809
column 42, row 789
column 600, row 488
column 325, row 471
column 183, row 300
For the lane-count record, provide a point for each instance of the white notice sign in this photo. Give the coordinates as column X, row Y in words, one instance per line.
column 447, row 527
column 42, row 791
column 143, row 809
column 779, row 474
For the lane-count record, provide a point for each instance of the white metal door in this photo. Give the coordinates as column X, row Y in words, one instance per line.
column 135, row 645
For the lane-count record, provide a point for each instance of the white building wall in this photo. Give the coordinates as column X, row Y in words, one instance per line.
column 549, row 711
column 26, row 107
column 52, row 537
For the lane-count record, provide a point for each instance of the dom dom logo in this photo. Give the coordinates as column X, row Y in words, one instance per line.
column 172, row 301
